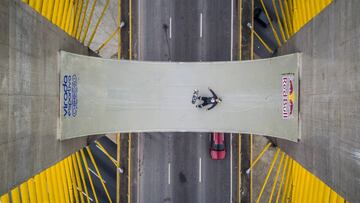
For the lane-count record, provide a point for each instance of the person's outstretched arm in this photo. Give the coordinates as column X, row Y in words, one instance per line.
column 213, row 93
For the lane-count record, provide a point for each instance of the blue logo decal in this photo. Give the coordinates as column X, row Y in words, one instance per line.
column 70, row 95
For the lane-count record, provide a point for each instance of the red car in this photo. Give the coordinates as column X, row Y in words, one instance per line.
column 217, row 148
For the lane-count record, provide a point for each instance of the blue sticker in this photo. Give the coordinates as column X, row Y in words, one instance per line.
column 70, row 95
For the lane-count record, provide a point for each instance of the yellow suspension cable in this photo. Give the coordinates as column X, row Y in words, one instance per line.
column 82, row 176
column 89, row 21
column 251, row 163
column 240, row 29
column 268, row 175
column 77, row 18
column 98, row 173
column 89, row 175
column 80, row 28
column 284, row 19
column 106, row 153
column 108, row 40
column 77, row 177
column 281, row 185
column 271, row 24
column 117, row 168
column 98, row 23
column 278, row 20
column 129, row 169
column 260, row 155
column 276, row 177
column 130, row 29
column 263, row 42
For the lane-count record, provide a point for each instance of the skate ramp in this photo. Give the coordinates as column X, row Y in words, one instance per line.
column 107, row 96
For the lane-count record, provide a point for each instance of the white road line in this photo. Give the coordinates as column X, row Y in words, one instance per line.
column 87, row 196
column 200, row 24
column 170, row 28
column 96, row 175
column 200, row 170
column 231, row 174
column 232, row 30
column 169, row 170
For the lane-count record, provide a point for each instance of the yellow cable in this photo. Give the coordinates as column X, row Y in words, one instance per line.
column 129, row 170
column 130, row 29
column 24, row 192
column 281, row 185
column 77, row 177
column 271, row 25
column 107, row 40
column 106, row 153
column 82, row 175
column 119, row 33
column 98, row 22
column 251, row 152
column 276, row 177
column 260, row 155
column 268, row 175
column 15, row 196
column 279, row 21
column 89, row 175
column 80, row 28
column 117, row 168
column 89, row 21
column 240, row 29
column 32, row 190
column 98, row 173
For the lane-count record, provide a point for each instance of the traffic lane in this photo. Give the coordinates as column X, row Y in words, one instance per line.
column 217, row 30
column 216, row 174
column 185, row 168
column 153, row 15
column 153, row 168
column 185, row 42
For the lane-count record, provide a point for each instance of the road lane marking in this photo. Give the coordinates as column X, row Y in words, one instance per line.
column 170, row 28
column 232, row 30
column 200, row 170
column 87, row 196
column 169, row 169
column 231, row 174
column 96, row 175
column 200, row 24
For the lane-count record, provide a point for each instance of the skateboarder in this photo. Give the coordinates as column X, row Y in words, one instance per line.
column 213, row 101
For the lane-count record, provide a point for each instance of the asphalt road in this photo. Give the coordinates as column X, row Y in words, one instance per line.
column 176, row 167
column 185, row 30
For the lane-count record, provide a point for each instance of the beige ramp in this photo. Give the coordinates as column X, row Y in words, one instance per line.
column 107, row 96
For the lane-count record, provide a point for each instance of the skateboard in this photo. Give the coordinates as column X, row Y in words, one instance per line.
column 195, row 96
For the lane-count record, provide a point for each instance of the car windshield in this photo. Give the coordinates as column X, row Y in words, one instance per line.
column 218, row 147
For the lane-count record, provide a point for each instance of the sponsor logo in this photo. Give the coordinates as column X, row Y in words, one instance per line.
column 70, row 95
column 288, row 95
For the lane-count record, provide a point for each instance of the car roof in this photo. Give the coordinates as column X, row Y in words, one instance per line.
column 218, row 138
